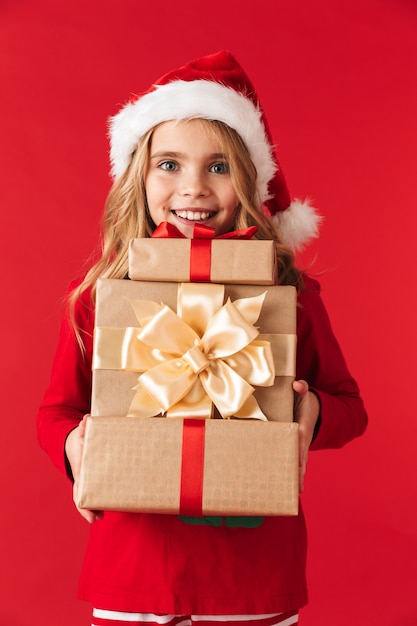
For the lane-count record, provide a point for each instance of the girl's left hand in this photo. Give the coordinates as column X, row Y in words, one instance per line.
column 307, row 410
column 73, row 449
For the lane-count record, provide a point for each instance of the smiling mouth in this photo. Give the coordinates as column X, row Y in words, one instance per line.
column 195, row 216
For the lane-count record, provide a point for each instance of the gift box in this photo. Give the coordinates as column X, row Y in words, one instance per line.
column 250, row 262
column 237, row 379
column 172, row 334
column 190, row 467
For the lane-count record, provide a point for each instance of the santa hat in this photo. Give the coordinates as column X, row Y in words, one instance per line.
column 215, row 87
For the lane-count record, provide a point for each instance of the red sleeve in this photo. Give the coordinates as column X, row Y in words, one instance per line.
column 321, row 363
column 68, row 396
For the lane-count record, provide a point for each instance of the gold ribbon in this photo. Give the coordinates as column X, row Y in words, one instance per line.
column 206, row 355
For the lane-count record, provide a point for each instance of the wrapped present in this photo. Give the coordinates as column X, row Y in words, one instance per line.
column 231, row 258
column 190, row 467
column 194, row 350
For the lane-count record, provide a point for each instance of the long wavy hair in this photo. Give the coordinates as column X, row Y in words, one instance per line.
column 126, row 214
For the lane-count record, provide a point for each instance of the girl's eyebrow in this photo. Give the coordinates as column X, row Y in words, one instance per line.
column 173, row 154
column 165, row 153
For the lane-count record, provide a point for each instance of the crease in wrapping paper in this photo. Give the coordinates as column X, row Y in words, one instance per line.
column 250, row 262
column 113, row 390
column 135, row 465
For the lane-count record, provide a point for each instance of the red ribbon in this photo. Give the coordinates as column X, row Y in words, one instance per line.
column 200, row 253
column 192, row 467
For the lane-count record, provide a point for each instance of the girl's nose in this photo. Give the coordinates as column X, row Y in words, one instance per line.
column 194, row 184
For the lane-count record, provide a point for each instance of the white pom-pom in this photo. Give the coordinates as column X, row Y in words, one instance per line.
column 298, row 224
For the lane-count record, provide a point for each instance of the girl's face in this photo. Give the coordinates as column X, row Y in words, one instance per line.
column 188, row 181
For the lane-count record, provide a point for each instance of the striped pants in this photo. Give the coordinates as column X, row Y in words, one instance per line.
column 116, row 618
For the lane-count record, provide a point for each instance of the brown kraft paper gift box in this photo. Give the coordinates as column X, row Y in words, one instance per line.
column 113, row 390
column 134, row 463
column 250, row 262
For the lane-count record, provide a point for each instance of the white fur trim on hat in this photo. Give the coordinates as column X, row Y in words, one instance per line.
column 187, row 100
column 298, row 224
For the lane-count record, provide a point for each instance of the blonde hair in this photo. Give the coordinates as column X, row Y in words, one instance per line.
column 126, row 215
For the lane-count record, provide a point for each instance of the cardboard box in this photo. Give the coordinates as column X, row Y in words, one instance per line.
column 250, row 262
column 248, row 467
column 113, row 389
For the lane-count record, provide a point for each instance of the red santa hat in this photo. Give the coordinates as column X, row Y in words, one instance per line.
column 215, row 87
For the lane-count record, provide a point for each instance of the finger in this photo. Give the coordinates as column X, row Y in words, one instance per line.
column 88, row 514
column 300, row 387
column 301, row 480
column 302, row 459
column 303, row 454
column 302, row 465
column 82, row 426
column 301, row 473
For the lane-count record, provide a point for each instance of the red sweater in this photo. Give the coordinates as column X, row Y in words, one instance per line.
column 160, row 563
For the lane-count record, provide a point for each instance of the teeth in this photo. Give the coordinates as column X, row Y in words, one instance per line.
column 195, row 216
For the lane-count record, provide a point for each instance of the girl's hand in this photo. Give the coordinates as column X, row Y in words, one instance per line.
column 307, row 409
column 73, row 450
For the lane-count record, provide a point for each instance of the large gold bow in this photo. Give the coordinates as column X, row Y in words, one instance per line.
column 206, row 355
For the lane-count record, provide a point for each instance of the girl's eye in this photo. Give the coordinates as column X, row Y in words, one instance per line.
column 168, row 166
column 219, row 168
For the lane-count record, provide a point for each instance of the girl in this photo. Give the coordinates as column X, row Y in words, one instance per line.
column 194, row 149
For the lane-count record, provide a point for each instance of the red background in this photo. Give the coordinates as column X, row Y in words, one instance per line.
column 338, row 81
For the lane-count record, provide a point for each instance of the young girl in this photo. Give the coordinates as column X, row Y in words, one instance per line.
column 194, row 149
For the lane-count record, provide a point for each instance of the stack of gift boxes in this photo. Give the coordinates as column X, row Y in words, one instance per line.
column 192, row 400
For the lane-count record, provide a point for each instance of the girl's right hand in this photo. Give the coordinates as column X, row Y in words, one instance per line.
column 73, row 450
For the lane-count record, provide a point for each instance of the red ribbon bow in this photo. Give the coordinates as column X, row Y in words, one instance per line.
column 200, row 253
